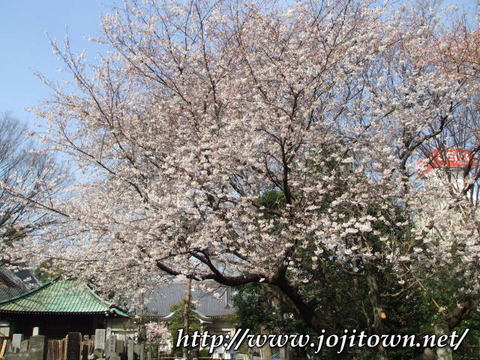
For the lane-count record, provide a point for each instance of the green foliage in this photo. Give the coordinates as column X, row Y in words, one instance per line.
column 177, row 321
column 272, row 199
column 338, row 288
column 260, row 309
column 47, row 271
column 253, row 310
column 204, row 353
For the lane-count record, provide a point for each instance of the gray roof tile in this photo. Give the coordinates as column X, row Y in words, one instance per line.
column 160, row 300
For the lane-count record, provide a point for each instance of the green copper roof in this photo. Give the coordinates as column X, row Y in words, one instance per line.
column 65, row 297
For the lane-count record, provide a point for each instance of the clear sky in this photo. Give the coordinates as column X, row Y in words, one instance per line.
column 25, row 49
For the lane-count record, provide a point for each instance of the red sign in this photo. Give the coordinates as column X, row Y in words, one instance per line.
column 449, row 158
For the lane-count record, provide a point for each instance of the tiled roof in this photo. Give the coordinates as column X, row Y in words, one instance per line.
column 10, row 292
column 60, row 297
column 10, row 284
column 9, row 278
column 161, row 299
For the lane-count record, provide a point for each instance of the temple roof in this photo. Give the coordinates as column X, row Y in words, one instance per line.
column 213, row 303
column 60, row 297
column 10, row 284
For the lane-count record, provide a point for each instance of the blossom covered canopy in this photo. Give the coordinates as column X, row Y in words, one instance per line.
column 202, row 111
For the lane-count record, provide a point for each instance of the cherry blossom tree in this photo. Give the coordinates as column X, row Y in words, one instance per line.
column 156, row 333
column 200, row 108
column 446, row 242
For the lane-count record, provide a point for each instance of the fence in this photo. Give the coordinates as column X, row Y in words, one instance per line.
column 73, row 347
column 78, row 347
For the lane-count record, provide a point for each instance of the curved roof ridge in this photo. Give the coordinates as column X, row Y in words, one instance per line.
column 11, row 279
column 98, row 297
column 29, row 292
column 111, row 305
column 64, row 296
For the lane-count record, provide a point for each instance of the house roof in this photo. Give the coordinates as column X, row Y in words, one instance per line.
column 12, row 284
column 9, row 292
column 60, row 297
column 9, row 278
column 206, row 303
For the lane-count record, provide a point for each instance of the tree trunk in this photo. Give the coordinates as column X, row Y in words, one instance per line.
column 451, row 320
column 306, row 312
column 377, row 310
column 444, row 353
column 186, row 315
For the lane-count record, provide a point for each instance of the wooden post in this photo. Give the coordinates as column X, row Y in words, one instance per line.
column 186, row 315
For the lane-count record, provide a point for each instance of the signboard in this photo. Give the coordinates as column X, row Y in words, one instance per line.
column 448, row 158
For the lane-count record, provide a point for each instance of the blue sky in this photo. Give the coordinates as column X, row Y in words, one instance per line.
column 25, row 49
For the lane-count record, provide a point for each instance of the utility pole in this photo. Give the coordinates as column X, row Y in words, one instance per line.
column 186, row 316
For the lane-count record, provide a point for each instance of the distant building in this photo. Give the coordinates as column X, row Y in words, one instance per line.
column 62, row 306
column 214, row 307
column 59, row 307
